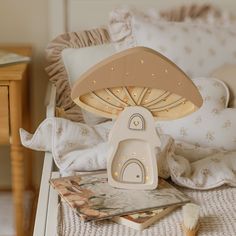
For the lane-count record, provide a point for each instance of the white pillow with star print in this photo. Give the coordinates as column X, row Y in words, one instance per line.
column 213, row 125
column 197, row 49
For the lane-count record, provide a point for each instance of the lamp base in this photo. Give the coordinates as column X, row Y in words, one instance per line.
column 134, row 143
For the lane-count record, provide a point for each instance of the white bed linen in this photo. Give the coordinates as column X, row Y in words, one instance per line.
column 79, row 147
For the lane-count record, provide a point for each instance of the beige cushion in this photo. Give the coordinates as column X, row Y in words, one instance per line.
column 227, row 73
column 57, row 71
column 79, row 60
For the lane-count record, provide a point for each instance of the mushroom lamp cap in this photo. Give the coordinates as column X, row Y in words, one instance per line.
column 137, row 76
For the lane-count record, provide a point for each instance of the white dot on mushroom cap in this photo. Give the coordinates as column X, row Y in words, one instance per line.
column 153, row 74
column 112, row 68
column 166, row 71
column 94, row 81
column 141, row 61
column 179, row 83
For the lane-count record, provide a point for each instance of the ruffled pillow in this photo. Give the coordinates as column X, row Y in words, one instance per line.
column 57, row 71
column 197, row 49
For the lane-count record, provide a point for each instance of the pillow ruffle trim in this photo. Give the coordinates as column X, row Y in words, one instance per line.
column 56, row 69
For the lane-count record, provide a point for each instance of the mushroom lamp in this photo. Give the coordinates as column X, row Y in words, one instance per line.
column 136, row 87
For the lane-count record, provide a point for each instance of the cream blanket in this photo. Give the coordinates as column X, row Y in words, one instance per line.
column 78, row 147
column 217, row 218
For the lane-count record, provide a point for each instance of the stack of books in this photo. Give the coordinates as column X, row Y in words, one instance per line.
column 92, row 198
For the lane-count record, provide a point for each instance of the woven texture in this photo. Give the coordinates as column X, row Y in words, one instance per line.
column 217, row 218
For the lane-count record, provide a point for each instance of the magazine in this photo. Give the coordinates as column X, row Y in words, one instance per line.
column 7, row 58
column 142, row 220
column 92, row 198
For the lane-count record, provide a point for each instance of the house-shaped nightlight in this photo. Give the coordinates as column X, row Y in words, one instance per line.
column 136, row 86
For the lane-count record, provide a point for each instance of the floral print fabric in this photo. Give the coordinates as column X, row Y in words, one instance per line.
column 78, row 147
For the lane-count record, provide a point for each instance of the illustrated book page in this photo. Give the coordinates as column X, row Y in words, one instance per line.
column 92, row 198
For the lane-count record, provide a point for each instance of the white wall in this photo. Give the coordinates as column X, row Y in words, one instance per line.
column 26, row 21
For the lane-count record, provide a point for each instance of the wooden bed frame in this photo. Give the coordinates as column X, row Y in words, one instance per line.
column 72, row 15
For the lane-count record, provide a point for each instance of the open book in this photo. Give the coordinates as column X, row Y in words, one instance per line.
column 92, row 198
column 7, row 58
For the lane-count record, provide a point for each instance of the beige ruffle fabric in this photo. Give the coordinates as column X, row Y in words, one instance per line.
column 57, row 72
column 192, row 12
column 206, row 13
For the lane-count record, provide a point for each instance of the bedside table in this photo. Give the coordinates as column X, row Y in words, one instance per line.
column 14, row 114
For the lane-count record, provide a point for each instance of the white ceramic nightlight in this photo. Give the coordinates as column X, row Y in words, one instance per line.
column 136, row 86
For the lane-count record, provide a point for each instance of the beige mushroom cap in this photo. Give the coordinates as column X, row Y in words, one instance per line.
column 137, row 76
